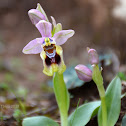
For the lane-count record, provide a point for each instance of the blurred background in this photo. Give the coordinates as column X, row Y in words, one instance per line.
column 99, row 24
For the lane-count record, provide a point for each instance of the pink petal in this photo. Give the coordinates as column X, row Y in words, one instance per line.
column 44, row 28
column 35, row 16
column 33, row 47
column 53, row 21
column 62, row 36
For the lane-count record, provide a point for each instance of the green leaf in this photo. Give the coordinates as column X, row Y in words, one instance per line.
column 17, row 115
column 122, row 76
column 39, row 7
column 124, row 121
column 83, row 114
column 39, row 121
column 113, row 102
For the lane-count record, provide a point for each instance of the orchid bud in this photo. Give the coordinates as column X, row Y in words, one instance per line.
column 93, row 56
column 83, row 72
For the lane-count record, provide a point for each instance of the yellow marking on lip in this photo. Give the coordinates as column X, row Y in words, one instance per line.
column 47, row 41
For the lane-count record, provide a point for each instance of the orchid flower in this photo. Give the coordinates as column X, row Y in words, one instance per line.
column 49, row 47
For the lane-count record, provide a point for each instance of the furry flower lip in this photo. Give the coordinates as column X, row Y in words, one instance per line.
column 49, row 44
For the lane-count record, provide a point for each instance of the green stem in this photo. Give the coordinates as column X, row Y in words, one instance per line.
column 104, row 112
column 62, row 97
column 64, row 120
column 97, row 77
column 103, row 104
